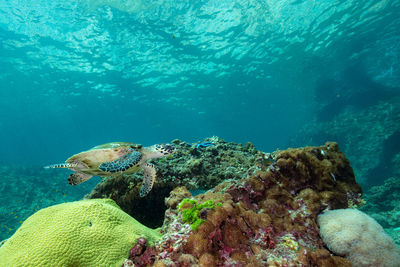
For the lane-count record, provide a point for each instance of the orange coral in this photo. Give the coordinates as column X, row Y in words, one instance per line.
column 321, row 257
column 197, row 245
column 207, row 260
column 176, row 196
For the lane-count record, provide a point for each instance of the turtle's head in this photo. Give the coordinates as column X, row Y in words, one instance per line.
column 160, row 150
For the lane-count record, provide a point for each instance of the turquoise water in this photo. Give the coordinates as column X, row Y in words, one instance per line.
column 75, row 74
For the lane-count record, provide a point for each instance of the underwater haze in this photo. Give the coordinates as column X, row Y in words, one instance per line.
column 76, row 74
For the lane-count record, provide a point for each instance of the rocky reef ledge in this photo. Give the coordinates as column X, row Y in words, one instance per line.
column 260, row 208
column 198, row 166
column 268, row 217
column 321, row 173
column 226, row 204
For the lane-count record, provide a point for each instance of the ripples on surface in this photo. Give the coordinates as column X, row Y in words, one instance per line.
column 182, row 46
column 152, row 71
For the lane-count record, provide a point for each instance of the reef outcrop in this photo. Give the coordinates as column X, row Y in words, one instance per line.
column 198, row 166
column 266, row 218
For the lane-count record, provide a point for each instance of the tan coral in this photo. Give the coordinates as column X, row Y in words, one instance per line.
column 176, row 196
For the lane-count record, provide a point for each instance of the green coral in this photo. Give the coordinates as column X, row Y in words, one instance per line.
column 83, row 233
column 191, row 214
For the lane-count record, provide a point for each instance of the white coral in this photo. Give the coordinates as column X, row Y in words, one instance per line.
column 358, row 237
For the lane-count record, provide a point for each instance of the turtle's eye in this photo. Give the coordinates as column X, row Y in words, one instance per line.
column 169, row 148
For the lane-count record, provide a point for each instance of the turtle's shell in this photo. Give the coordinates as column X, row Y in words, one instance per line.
column 94, row 157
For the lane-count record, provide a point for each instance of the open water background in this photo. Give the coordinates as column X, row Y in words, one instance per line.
column 75, row 74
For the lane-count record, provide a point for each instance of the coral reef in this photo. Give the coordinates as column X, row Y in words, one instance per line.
column 369, row 136
column 25, row 189
column 196, row 167
column 264, row 213
column 82, row 233
column 358, row 237
column 383, row 204
column 261, row 211
column 267, row 218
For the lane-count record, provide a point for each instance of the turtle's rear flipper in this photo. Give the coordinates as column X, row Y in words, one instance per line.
column 77, row 178
column 123, row 163
column 148, row 179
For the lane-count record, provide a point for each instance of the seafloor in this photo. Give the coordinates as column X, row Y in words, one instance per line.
column 217, row 204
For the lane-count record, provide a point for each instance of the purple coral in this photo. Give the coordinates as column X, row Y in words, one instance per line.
column 141, row 254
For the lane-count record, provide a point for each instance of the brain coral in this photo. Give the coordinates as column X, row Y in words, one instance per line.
column 83, row 233
column 358, row 237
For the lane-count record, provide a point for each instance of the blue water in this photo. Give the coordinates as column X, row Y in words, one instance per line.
column 75, row 74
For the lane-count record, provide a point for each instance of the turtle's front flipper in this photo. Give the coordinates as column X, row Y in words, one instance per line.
column 78, row 177
column 148, row 179
column 123, row 163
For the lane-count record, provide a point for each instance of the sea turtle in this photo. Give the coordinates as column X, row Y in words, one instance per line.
column 113, row 159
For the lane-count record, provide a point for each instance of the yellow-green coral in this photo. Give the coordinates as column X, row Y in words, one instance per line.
column 191, row 214
column 83, row 233
column 289, row 243
column 354, row 204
